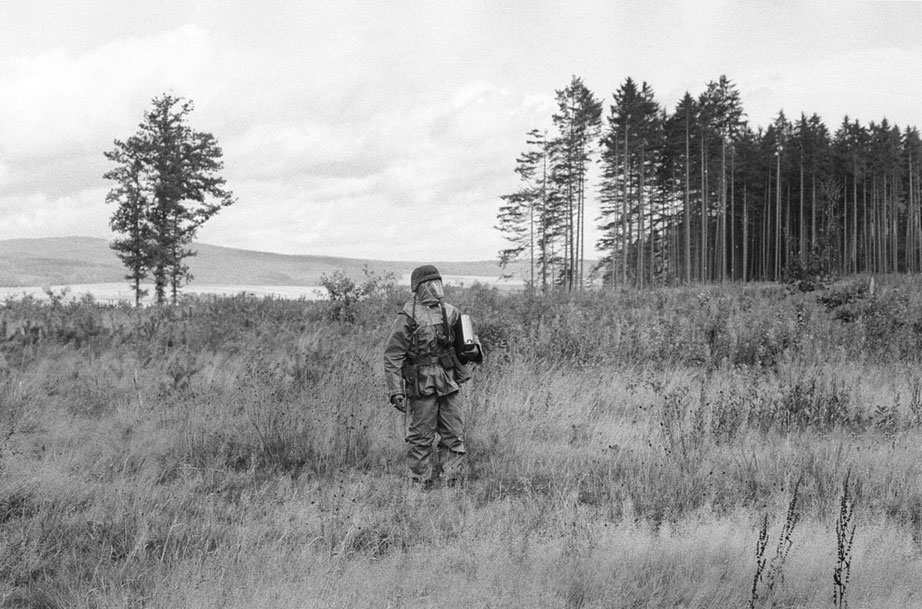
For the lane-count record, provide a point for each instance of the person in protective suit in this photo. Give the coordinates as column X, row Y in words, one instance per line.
column 425, row 363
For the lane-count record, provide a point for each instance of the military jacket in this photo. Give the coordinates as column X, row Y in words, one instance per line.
column 418, row 351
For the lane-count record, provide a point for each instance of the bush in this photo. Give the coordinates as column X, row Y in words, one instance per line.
column 891, row 323
column 848, row 302
column 807, row 274
column 345, row 293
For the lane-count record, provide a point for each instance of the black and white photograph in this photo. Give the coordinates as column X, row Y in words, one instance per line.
column 472, row 304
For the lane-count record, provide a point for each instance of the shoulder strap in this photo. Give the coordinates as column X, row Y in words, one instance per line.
column 449, row 331
column 411, row 313
column 413, row 326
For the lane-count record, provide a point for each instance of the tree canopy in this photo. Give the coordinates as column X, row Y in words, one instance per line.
column 168, row 184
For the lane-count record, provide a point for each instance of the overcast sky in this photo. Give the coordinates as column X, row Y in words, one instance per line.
column 389, row 129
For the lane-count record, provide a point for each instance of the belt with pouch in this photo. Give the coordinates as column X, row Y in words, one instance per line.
column 430, row 360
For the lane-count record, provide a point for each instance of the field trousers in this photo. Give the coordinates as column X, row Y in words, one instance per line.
column 427, row 416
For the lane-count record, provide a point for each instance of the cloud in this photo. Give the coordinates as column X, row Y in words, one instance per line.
column 350, row 142
column 41, row 215
column 54, row 174
column 836, row 85
column 360, row 224
column 290, row 150
column 422, row 182
column 316, row 166
column 62, row 103
column 65, row 109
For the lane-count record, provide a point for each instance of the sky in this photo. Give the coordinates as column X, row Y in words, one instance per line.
column 389, row 130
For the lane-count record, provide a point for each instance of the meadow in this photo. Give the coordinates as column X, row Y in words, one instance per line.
column 709, row 446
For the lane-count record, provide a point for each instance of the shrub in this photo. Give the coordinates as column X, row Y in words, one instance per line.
column 848, row 302
column 807, row 273
column 891, row 322
column 345, row 293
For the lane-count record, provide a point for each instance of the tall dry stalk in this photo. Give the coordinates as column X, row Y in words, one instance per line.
column 845, row 535
column 774, row 575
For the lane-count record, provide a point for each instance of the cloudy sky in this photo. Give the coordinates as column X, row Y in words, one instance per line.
column 389, row 129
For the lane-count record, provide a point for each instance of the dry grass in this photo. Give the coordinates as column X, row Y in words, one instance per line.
column 238, row 453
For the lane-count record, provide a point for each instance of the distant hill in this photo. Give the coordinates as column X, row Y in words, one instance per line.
column 84, row 260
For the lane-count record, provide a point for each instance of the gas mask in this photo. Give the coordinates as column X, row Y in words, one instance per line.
column 430, row 292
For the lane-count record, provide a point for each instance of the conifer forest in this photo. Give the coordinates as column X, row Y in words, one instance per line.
column 696, row 193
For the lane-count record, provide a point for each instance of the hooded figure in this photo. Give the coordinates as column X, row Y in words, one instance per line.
column 425, row 363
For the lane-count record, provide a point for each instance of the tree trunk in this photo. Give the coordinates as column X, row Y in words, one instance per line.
column 854, row 253
column 733, row 257
column 688, row 260
column 641, row 251
column 722, row 237
column 776, row 271
column 704, row 215
column 626, row 192
column 745, row 236
column 802, row 244
column 579, row 224
column 813, row 211
column 865, row 229
column 788, row 231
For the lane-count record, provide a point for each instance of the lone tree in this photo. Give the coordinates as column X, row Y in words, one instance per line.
column 167, row 187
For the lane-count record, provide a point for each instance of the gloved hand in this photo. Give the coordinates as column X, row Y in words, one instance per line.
column 399, row 402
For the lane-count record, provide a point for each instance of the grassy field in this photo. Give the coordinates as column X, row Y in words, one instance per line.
column 735, row 446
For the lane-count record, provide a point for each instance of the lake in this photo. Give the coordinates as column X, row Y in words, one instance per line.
column 113, row 293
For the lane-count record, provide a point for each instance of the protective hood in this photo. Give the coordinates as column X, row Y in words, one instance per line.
column 430, row 293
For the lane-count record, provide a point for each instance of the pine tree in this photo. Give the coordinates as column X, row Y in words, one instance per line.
column 132, row 214
column 168, row 186
column 818, row 162
column 631, row 149
column 650, row 142
column 577, row 121
column 722, row 116
column 748, row 179
column 681, row 129
column 522, row 215
column 779, row 133
column 912, row 156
